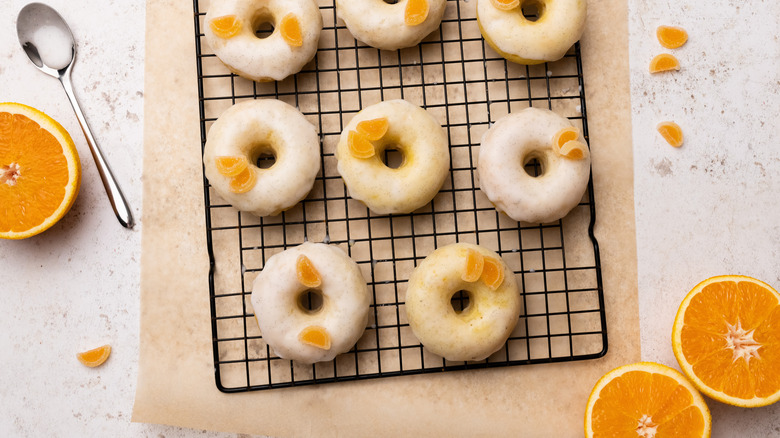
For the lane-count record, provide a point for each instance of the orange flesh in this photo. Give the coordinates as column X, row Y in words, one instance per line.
column 671, row 132
column 96, row 357
column 574, row 150
column 226, row 26
column 505, row 5
column 671, row 37
column 33, row 173
column 315, row 336
column 492, row 273
column 641, row 401
column 306, row 272
column 564, row 136
column 244, row 181
column 231, row 166
column 664, row 62
column 290, row 28
column 743, row 366
column 360, row 146
column 373, row 129
column 416, row 12
column 475, row 263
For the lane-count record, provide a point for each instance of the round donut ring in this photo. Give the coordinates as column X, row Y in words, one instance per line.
column 481, row 328
column 512, row 142
column 426, row 159
column 230, row 25
column 383, row 25
column 251, row 129
column 520, row 40
column 295, row 332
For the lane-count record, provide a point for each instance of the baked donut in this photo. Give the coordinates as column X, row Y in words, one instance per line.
column 523, row 41
column 288, row 326
column 519, row 138
column 230, row 25
column 245, row 132
column 391, row 26
column 493, row 308
column 400, row 125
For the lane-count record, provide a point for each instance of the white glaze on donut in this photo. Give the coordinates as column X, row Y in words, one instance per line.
column 523, row 41
column 513, row 141
column 480, row 329
column 345, row 303
column 425, row 148
column 254, row 127
column 270, row 58
column 381, row 25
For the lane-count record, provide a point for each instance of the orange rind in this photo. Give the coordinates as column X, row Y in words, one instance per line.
column 315, row 336
column 373, row 129
column 492, row 273
column 244, row 181
column 231, row 166
column 290, row 28
column 95, row 357
column 671, row 132
column 226, row 26
column 360, row 146
column 416, row 12
column 306, row 272
column 671, row 37
column 475, row 263
column 664, row 62
column 505, row 5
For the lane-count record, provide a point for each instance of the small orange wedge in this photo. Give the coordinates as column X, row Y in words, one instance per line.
column 96, row 357
column 492, row 273
column 671, row 37
column 226, row 26
column 671, row 132
column 475, row 263
column 244, row 181
column 373, row 129
column 505, row 5
column 416, row 12
column 564, row 136
column 290, row 28
column 574, row 150
column 315, row 336
column 306, row 272
column 360, row 146
column 231, row 166
column 664, row 62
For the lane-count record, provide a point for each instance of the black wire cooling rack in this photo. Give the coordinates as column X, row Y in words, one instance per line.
column 466, row 86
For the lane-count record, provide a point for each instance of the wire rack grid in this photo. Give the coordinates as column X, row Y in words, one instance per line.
column 465, row 85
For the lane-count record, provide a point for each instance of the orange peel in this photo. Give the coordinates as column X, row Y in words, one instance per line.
column 226, row 26
column 94, row 357
column 664, row 62
column 475, row 263
column 492, row 273
column 373, row 129
column 671, row 37
column 306, row 273
column 671, row 132
column 290, row 28
column 244, row 181
column 360, row 146
column 416, row 12
column 315, row 336
column 231, row 166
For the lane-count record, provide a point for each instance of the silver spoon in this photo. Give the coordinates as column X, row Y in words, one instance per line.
column 48, row 42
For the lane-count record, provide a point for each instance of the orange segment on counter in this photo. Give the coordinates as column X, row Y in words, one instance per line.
column 664, row 62
column 95, row 357
column 671, row 37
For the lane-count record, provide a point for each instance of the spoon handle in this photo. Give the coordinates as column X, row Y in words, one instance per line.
column 115, row 196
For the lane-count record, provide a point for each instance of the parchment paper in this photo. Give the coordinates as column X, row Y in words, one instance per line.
column 176, row 372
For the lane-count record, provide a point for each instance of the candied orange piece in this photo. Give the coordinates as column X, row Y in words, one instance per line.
column 96, row 357
column 307, row 273
column 360, row 146
column 475, row 263
column 492, row 273
column 671, row 132
column 505, row 5
column 574, row 150
column 315, row 336
column 290, row 28
column 671, row 37
column 664, row 62
column 244, row 181
column 563, row 136
column 373, row 129
column 416, row 12
column 231, row 166
column 226, row 26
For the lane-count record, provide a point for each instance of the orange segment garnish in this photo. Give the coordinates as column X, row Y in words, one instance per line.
column 671, row 132
column 671, row 37
column 664, row 62
column 360, row 146
column 315, row 336
column 505, row 5
column 416, row 12
column 475, row 263
column 563, row 136
column 492, row 273
column 290, row 28
column 306, row 272
column 373, row 129
column 244, row 181
column 231, row 166
column 574, row 150
column 226, row 26
column 96, row 357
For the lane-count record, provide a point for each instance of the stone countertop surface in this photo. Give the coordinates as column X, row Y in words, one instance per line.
column 708, row 208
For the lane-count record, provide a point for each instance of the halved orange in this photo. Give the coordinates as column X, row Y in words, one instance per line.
column 505, row 5
column 40, row 172
column 726, row 338
column 373, row 129
column 646, row 399
column 664, row 62
column 671, row 132
column 671, row 37
column 226, row 26
column 95, row 357
column 416, row 12
column 290, row 28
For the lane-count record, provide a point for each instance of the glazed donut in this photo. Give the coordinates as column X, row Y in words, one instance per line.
column 391, row 26
column 241, row 135
column 523, row 41
column 291, row 329
column 230, row 25
column 517, row 139
column 393, row 124
column 485, row 324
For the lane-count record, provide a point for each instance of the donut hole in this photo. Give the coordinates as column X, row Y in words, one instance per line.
column 310, row 301
column 392, row 156
column 264, row 156
column 460, row 301
column 534, row 165
column 263, row 25
column 391, row 2
column 532, row 9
